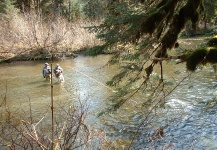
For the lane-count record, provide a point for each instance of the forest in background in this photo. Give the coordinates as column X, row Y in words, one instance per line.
column 42, row 27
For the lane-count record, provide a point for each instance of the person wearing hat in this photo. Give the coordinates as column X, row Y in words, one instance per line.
column 57, row 69
column 46, row 70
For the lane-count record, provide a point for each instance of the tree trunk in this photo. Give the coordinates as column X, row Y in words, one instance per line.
column 205, row 27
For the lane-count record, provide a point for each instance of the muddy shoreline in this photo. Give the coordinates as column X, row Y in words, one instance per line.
column 10, row 57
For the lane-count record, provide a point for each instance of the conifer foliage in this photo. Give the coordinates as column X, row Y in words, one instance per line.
column 140, row 33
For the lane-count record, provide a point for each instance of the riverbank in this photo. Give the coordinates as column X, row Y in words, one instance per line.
column 22, row 40
column 66, row 53
column 28, row 57
column 32, row 56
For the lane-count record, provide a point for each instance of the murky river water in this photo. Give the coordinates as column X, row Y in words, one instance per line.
column 189, row 117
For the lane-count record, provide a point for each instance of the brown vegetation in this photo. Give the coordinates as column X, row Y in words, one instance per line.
column 21, row 131
column 30, row 36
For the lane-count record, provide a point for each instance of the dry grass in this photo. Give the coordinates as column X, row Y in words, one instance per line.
column 31, row 33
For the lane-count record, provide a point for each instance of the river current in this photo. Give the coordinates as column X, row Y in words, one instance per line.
column 189, row 118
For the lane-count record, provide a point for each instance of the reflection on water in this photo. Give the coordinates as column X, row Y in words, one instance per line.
column 186, row 120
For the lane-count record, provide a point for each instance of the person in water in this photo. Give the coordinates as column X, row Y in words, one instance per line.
column 58, row 69
column 46, row 70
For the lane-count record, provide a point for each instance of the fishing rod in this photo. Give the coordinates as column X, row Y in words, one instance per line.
column 93, row 79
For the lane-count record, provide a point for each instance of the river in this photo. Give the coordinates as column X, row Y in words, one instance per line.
column 189, row 118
